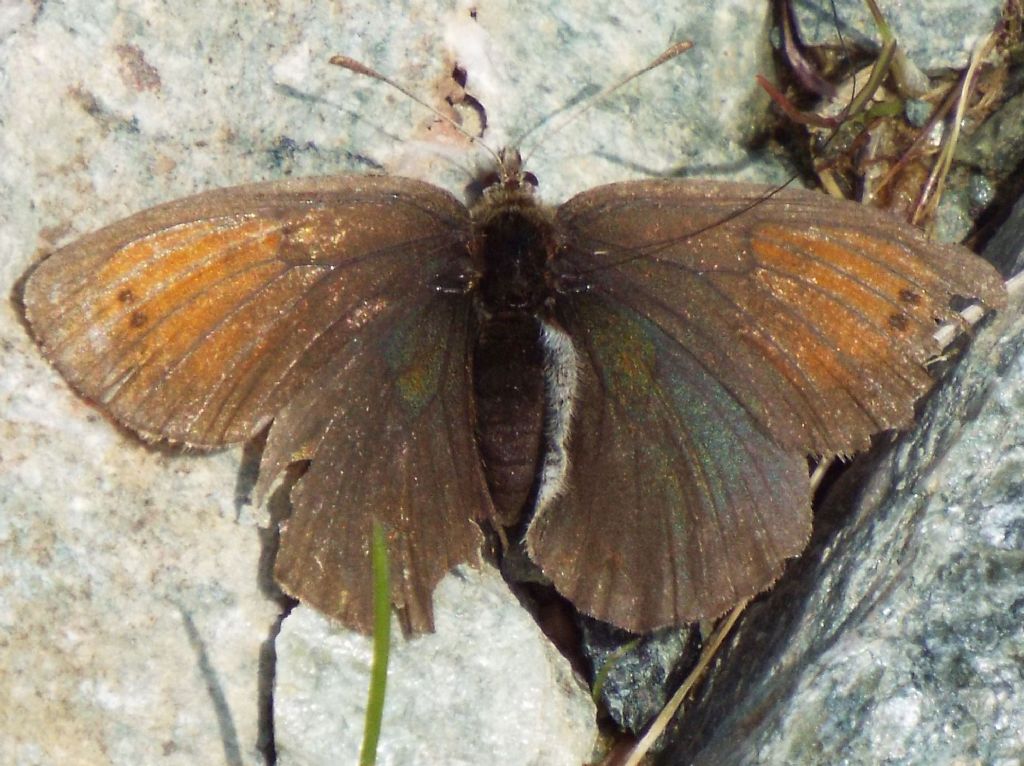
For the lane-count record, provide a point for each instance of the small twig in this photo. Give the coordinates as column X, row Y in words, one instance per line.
column 659, row 724
column 932, row 190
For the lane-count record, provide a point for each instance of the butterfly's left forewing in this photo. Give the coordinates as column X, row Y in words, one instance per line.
column 315, row 303
column 194, row 321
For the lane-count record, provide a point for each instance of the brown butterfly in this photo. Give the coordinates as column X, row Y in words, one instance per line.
column 643, row 369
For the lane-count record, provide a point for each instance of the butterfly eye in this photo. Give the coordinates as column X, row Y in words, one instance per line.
column 488, row 181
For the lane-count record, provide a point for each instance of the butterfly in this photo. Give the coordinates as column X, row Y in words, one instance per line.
column 633, row 380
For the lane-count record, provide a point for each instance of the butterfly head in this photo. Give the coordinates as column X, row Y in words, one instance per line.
column 508, row 175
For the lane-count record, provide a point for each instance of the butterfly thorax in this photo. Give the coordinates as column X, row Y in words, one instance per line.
column 513, row 238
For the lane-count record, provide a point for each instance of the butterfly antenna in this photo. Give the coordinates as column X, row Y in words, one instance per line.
column 667, row 55
column 358, row 67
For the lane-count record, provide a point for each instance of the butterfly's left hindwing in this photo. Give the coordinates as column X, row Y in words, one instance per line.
column 389, row 433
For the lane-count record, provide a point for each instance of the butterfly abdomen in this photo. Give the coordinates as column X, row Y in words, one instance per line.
column 509, row 387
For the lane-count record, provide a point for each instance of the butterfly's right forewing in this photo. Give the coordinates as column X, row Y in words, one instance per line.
column 724, row 332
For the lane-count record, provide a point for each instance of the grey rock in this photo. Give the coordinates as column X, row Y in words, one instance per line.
column 1006, row 249
column 935, row 34
column 133, row 621
column 487, row 687
column 896, row 637
column 637, row 674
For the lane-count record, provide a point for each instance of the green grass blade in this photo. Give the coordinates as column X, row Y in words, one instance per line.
column 381, row 647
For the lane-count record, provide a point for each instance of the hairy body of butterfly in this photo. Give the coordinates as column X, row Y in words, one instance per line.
column 512, row 246
column 650, row 363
